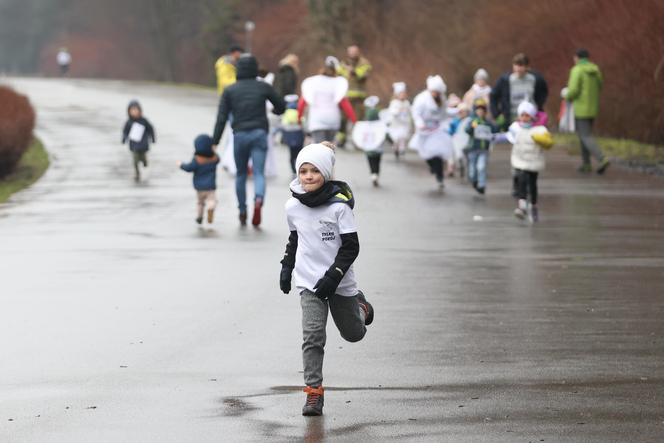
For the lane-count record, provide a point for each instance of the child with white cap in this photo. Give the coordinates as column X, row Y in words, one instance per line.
column 369, row 135
column 400, row 121
column 528, row 142
column 480, row 89
column 431, row 139
column 321, row 249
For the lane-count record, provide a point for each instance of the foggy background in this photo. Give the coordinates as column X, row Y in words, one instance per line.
column 177, row 40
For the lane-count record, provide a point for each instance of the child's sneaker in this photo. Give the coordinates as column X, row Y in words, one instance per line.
column 534, row 214
column 256, row 219
column 199, row 220
column 366, row 307
column 210, row 215
column 313, row 406
column 520, row 211
column 602, row 168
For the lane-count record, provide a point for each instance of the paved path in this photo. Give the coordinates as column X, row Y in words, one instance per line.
column 121, row 320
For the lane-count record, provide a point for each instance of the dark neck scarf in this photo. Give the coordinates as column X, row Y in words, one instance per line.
column 327, row 193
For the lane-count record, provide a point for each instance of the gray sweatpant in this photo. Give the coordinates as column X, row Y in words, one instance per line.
column 347, row 315
column 584, row 129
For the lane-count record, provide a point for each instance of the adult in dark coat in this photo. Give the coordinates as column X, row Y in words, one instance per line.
column 514, row 87
column 245, row 99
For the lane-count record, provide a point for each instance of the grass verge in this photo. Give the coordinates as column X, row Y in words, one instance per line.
column 32, row 166
column 632, row 152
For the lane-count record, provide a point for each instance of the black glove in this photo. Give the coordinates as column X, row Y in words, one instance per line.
column 327, row 286
column 285, row 279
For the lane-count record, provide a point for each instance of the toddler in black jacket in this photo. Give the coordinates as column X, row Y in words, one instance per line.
column 139, row 132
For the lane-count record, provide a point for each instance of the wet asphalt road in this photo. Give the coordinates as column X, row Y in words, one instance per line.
column 121, row 320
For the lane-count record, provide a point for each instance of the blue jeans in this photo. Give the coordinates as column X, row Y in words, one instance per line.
column 249, row 144
column 477, row 160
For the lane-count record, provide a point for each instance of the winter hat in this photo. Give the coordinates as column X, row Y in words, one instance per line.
column 134, row 104
column 398, row 87
column 319, row 155
column 435, row 83
column 203, row 145
column 332, row 61
column 481, row 74
column 480, row 103
column 371, row 101
column 247, row 67
column 527, row 108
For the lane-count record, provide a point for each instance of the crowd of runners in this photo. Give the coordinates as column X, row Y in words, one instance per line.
column 454, row 135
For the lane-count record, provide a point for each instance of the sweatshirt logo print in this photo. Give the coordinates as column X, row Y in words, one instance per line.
column 327, row 228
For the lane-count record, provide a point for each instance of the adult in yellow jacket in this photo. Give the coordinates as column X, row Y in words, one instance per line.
column 356, row 69
column 225, row 68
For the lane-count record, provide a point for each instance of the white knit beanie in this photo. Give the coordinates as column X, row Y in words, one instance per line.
column 319, row 155
column 527, row 108
column 398, row 87
column 436, row 83
column 481, row 74
column 371, row 101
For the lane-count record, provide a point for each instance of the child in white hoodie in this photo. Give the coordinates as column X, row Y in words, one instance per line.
column 528, row 144
column 400, row 126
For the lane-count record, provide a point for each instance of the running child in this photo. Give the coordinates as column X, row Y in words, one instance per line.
column 481, row 133
column 292, row 133
column 321, row 249
column 204, row 166
column 460, row 138
column 400, row 126
column 528, row 142
column 139, row 132
column 373, row 144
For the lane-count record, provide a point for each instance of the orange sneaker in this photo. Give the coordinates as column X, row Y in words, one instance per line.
column 313, row 407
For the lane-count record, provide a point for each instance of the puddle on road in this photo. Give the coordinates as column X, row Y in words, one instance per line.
column 236, row 407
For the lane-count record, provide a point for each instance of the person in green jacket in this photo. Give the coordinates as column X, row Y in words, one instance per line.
column 583, row 88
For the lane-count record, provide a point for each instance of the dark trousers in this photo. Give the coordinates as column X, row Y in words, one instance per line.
column 374, row 162
column 294, row 150
column 526, row 185
column 436, row 167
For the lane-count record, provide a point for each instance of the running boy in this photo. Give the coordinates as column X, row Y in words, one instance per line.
column 139, row 131
column 204, row 166
column 321, row 249
column 528, row 141
column 481, row 133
